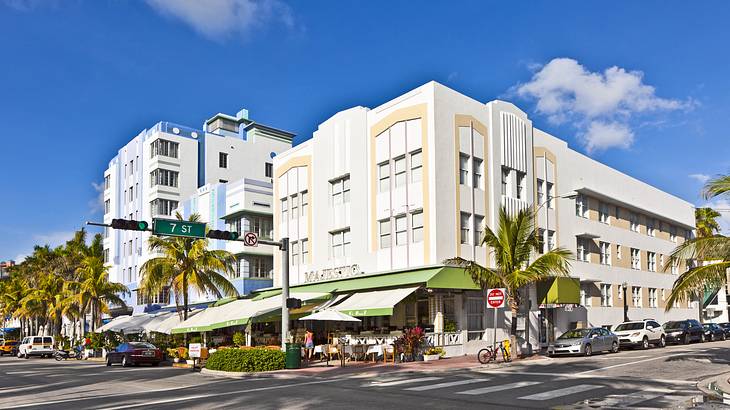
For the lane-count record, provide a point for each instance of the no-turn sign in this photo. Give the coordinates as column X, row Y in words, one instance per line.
column 496, row 298
column 251, row 239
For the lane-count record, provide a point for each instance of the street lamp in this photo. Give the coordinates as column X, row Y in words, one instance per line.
column 626, row 302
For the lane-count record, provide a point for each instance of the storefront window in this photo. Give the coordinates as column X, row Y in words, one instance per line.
column 475, row 313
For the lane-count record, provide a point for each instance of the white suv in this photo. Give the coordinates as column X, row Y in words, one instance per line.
column 36, row 346
column 640, row 333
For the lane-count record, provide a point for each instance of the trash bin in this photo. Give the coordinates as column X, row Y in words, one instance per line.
column 293, row 356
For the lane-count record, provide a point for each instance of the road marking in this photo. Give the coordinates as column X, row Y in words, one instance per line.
column 446, row 384
column 27, row 372
column 628, row 363
column 616, row 400
column 588, row 376
column 404, row 381
column 549, row 395
column 284, row 386
column 500, row 387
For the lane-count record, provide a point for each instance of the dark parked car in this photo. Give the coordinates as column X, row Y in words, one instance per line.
column 725, row 327
column 134, row 353
column 684, row 331
column 713, row 332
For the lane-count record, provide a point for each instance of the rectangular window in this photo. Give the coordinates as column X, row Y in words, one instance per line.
column 478, row 229
column 294, row 204
column 385, row 241
column 541, row 240
column 164, row 177
column 284, row 209
column 401, row 230
column 465, row 227
column 255, row 266
column 675, row 267
column 417, row 226
column 305, row 202
column 340, row 190
column 540, row 192
column 634, row 222
column 478, row 171
column 269, row 170
column 340, row 243
column 304, row 248
column 582, row 251
column 107, row 206
column 581, row 206
column 416, row 166
column 603, row 215
column 673, row 234
column 618, row 251
column 164, row 147
column 162, row 207
column 635, row 259
column 521, row 185
column 106, row 255
column 605, row 253
column 618, row 213
column 651, row 262
column 400, row 171
column 384, row 177
column 131, row 167
column 585, row 296
column 463, row 169
column 505, row 181
column 131, row 194
column 475, row 313
column 652, row 298
column 550, row 188
column 295, row 253
column 131, row 249
column 107, row 182
column 606, row 295
column 222, row 160
column 650, row 227
column 550, row 240
column 636, row 296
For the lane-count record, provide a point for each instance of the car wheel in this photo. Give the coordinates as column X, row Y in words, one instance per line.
column 26, row 356
column 686, row 339
column 614, row 347
column 703, row 339
column 108, row 361
column 588, row 350
column 662, row 341
column 645, row 343
column 125, row 363
column 724, row 337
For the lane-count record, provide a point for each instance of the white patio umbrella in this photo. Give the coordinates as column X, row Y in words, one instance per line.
column 330, row 315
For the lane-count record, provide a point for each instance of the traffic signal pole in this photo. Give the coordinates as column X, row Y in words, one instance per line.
column 284, row 291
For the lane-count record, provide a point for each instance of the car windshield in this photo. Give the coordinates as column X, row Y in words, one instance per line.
column 708, row 326
column 575, row 334
column 141, row 345
column 675, row 325
column 725, row 325
column 629, row 326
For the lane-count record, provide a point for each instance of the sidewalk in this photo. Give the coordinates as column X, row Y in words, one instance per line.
column 716, row 387
column 369, row 369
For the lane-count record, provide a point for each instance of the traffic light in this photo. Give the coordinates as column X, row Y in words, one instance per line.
column 225, row 235
column 293, row 303
column 129, row 225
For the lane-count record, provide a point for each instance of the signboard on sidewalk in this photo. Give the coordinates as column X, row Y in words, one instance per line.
column 497, row 298
column 194, row 350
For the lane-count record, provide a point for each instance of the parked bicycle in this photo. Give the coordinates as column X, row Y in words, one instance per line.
column 490, row 353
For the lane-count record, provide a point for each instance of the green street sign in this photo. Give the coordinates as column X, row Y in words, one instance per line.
column 174, row 227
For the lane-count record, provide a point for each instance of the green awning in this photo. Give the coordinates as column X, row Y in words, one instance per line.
column 440, row 277
column 558, row 291
column 373, row 303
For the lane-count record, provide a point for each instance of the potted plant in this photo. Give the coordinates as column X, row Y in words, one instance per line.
column 174, row 354
column 433, row 353
column 410, row 343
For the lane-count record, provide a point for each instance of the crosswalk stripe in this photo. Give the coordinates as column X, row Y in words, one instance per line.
column 626, row 400
column 500, row 387
column 405, row 381
column 548, row 395
column 446, row 384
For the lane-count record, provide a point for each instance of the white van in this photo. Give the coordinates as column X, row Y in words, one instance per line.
column 36, row 346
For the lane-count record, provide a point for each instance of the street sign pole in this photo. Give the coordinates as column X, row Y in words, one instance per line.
column 284, row 291
column 496, row 298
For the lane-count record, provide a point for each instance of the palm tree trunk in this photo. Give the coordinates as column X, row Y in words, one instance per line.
column 514, row 309
column 185, row 305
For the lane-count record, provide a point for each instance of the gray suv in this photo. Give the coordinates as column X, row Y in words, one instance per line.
column 585, row 342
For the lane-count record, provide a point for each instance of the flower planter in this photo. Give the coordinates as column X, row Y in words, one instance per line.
column 176, row 360
column 431, row 357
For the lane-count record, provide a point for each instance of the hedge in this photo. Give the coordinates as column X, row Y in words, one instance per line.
column 246, row 360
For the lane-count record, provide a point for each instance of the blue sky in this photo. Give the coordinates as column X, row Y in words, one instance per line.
column 641, row 86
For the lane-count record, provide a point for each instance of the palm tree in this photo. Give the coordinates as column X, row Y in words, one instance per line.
column 706, row 222
column 93, row 292
column 187, row 263
column 709, row 249
column 512, row 245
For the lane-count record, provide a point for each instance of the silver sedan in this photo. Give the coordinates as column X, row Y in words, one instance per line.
column 584, row 342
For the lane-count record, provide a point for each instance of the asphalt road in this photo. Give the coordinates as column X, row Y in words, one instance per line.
column 655, row 378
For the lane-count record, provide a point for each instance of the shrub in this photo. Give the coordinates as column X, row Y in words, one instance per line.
column 435, row 350
column 239, row 339
column 172, row 353
column 246, row 360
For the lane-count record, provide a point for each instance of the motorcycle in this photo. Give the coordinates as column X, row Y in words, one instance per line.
column 67, row 354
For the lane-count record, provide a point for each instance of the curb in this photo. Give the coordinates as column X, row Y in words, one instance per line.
column 716, row 386
column 274, row 374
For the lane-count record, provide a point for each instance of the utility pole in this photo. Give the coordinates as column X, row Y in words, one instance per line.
column 284, row 291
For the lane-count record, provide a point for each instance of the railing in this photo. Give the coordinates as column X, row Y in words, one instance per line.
column 445, row 338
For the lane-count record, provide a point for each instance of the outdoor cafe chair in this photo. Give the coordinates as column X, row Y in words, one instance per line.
column 388, row 351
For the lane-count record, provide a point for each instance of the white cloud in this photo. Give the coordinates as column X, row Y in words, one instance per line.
column 599, row 104
column 53, row 239
column 97, row 204
column 721, row 205
column 701, row 178
column 24, row 5
column 218, row 19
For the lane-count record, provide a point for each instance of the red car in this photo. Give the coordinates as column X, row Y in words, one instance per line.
column 134, row 353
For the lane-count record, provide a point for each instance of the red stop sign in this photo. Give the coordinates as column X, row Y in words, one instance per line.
column 495, row 298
